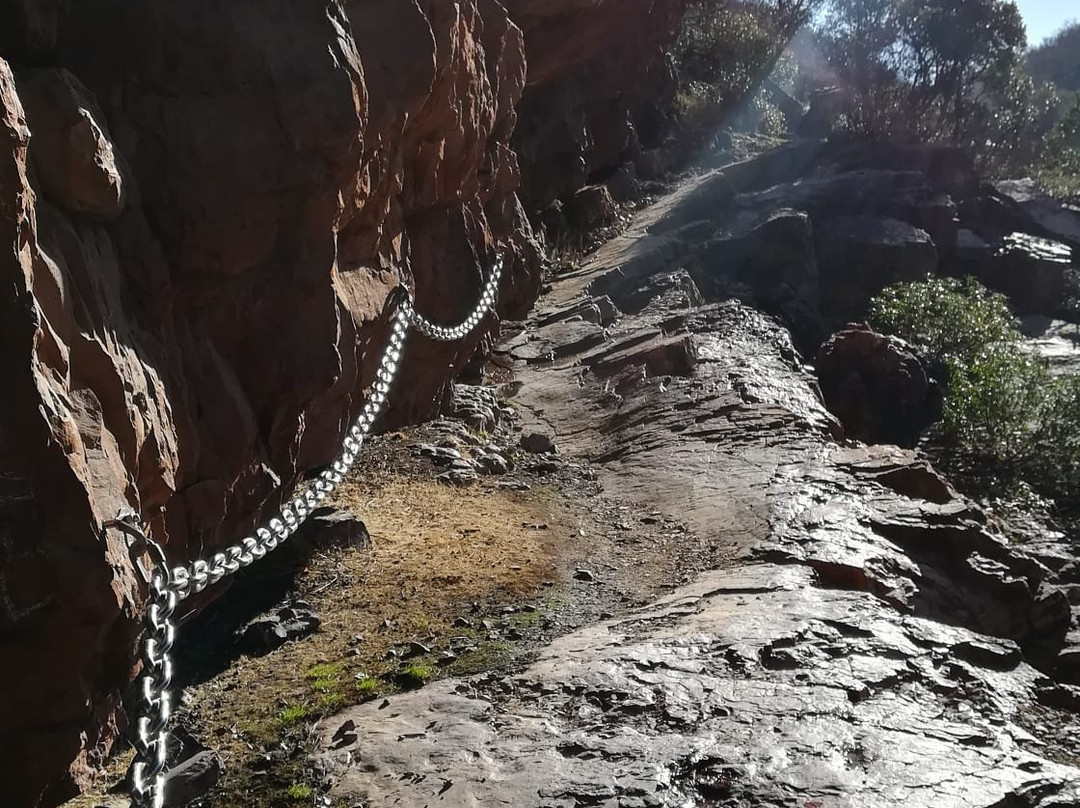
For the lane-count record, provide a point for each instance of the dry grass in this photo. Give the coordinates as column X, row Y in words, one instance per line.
column 437, row 551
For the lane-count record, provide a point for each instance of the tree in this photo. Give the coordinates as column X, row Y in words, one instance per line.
column 956, row 55
column 860, row 40
column 725, row 51
column 927, row 68
column 1057, row 60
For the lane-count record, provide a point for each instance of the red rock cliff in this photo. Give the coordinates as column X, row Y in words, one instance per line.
column 597, row 82
column 204, row 207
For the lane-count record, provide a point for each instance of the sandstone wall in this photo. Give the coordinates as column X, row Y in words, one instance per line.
column 598, row 88
column 204, row 207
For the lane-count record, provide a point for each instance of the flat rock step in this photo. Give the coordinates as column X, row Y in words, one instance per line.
column 659, row 355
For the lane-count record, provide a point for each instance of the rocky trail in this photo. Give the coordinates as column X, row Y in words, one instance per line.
column 635, row 561
column 645, row 566
column 867, row 639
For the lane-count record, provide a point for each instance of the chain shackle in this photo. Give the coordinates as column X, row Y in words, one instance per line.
column 168, row 587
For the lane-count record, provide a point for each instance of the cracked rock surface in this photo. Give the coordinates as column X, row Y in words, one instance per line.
column 753, row 686
column 871, row 640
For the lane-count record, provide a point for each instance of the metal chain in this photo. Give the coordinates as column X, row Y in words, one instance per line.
column 168, row 587
column 444, row 334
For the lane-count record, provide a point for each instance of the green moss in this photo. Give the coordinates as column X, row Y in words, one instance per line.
column 488, row 655
column 290, row 715
column 368, row 687
column 414, row 675
column 525, row 620
column 299, row 791
column 325, row 678
column 329, row 702
column 325, row 670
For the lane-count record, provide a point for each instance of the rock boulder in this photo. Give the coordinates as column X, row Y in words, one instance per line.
column 590, row 207
column 1025, row 202
column 1031, row 271
column 858, row 256
column 876, row 386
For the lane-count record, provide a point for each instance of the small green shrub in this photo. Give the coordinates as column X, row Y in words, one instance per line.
column 945, row 317
column 1056, row 456
column 299, row 791
column 291, row 714
column 994, row 406
column 1006, row 419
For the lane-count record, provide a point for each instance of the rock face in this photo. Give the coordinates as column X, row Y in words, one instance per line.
column 597, row 85
column 774, row 256
column 876, row 386
column 811, row 231
column 72, row 153
column 861, row 255
column 664, row 709
column 208, row 210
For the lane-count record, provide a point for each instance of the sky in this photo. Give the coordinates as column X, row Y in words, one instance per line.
column 1044, row 17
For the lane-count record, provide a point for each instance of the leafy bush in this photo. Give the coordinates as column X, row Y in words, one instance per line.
column 993, row 399
column 994, row 408
column 1005, row 418
column 720, row 55
column 1057, row 442
column 722, row 52
column 1057, row 168
column 946, row 317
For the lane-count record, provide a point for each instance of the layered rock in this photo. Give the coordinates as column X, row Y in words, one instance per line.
column 861, row 255
column 811, row 231
column 209, row 209
column 873, row 641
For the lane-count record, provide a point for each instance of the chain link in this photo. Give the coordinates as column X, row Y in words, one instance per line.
column 169, row 587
